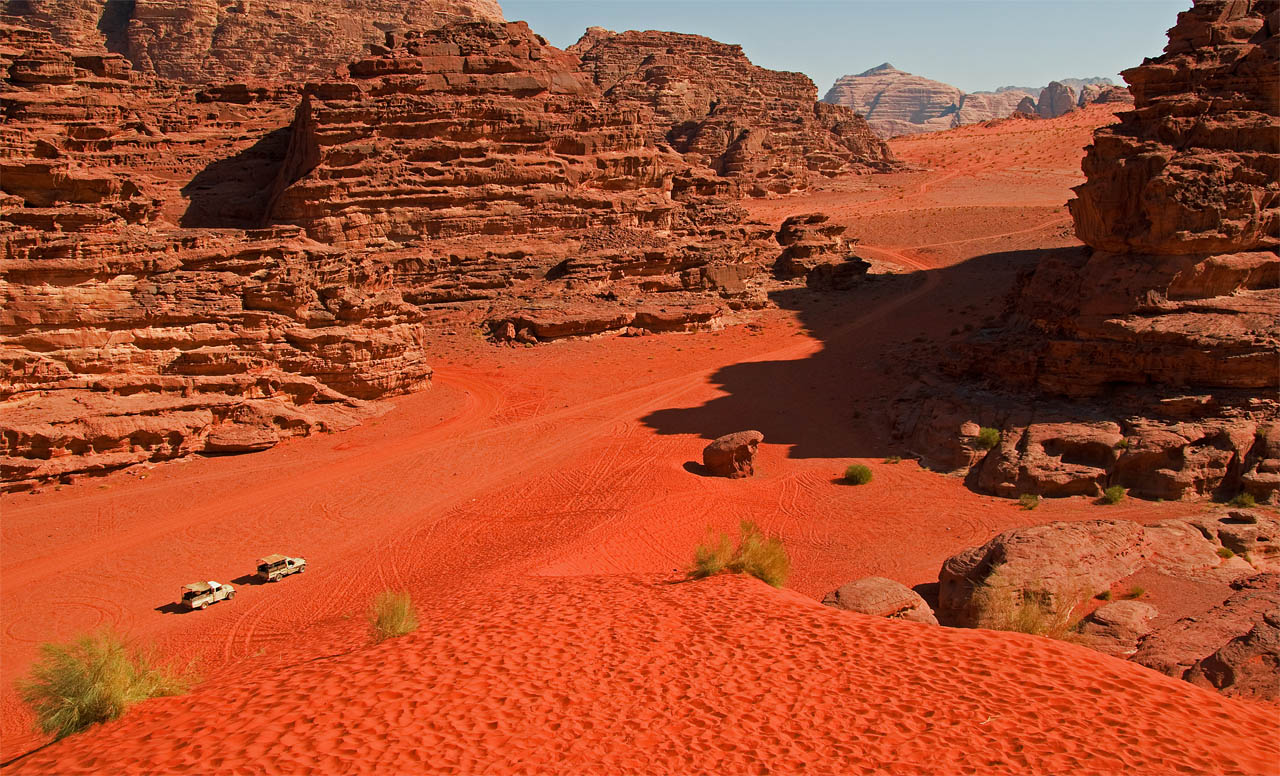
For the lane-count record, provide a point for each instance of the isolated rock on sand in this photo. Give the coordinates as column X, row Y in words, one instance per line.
column 1234, row 647
column 1117, row 627
column 881, row 597
column 732, row 455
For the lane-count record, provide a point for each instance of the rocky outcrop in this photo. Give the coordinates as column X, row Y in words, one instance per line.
column 212, row 270
column 1166, row 330
column 126, row 338
column 207, row 41
column 899, row 103
column 1231, row 646
column 1234, row 647
column 814, row 249
column 1055, row 100
column 732, row 455
column 880, row 597
column 762, row 129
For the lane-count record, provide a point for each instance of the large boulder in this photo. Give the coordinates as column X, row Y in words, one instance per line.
column 881, row 597
column 732, row 455
column 1060, row 561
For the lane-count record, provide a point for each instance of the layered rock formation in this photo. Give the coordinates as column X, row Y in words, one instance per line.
column 213, row 270
column 895, row 102
column 1232, row 643
column 1158, row 349
column 211, row 41
column 125, row 338
column 764, row 129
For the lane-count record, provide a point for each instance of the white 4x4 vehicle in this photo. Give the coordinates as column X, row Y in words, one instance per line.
column 275, row 567
column 201, row 594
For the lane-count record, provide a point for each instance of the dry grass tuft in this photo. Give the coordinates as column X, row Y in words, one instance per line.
column 762, row 557
column 1033, row 608
column 392, row 614
column 93, row 679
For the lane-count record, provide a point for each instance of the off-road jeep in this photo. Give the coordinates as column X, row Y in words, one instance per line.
column 201, row 594
column 274, row 567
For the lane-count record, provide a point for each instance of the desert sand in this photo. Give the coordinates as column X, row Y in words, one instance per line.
column 536, row 502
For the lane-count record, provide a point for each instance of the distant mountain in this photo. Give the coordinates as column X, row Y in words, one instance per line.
column 896, row 102
column 1076, row 85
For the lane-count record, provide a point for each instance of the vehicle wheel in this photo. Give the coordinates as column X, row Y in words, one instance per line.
column 202, row 606
column 231, row 595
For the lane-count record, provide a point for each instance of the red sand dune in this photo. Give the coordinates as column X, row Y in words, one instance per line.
column 568, row 459
column 638, row 675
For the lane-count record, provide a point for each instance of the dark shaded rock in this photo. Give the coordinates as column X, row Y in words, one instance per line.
column 732, row 455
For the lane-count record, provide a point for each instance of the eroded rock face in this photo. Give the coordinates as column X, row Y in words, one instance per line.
column 208, row 41
column 126, row 338
column 763, row 129
column 1235, row 647
column 732, row 455
column 1166, row 329
column 881, row 597
column 1231, row 646
column 814, row 249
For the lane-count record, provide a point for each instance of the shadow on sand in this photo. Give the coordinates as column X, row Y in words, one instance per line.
column 879, row 341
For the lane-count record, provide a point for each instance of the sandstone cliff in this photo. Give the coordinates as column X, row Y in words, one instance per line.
column 209, row 271
column 762, row 128
column 125, row 337
column 209, row 41
column 899, row 103
column 1158, row 348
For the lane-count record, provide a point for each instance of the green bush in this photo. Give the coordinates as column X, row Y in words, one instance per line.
column 1245, row 500
column 1029, row 500
column 1225, row 553
column 987, row 438
column 1105, row 595
column 392, row 614
column 1113, row 495
column 1123, row 444
column 1136, row 592
column 857, row 474
column 893, row 459
column 762, row 557
column 93, row 679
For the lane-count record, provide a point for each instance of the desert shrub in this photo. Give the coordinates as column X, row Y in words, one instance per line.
column 1245, row 500
column 1136, row 592
column 1026, row 608
column 987, row 438
column 1029, row 501
column 857, row 474
column 1123, row 444
column 762, row 557
column 93, row 679
column 893, row 459
column 392, row 614
column 1225, row 552
column 712, row 557
column 1105, row 595
column 1113, row 495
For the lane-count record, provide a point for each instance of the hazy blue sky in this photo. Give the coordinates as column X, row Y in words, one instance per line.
column 973, row 44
